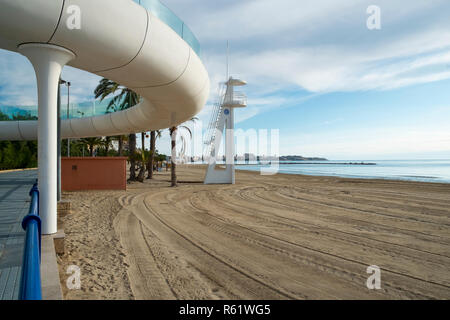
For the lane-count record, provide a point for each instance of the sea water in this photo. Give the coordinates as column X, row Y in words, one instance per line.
column 413, row 170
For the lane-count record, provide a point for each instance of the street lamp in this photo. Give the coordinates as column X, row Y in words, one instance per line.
column 67, row 83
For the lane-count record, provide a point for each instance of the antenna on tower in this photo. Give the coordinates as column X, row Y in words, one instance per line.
column 228, row 62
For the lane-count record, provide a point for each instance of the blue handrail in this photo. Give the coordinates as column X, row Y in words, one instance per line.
column 30, row 280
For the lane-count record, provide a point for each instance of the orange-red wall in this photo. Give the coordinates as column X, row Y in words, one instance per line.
column 103, row 173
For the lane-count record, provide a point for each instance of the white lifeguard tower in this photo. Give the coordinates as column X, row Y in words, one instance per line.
column 222, row 119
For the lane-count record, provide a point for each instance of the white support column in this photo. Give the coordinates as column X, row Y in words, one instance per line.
column 223, row 131
column 48, row 61
column 229, row 145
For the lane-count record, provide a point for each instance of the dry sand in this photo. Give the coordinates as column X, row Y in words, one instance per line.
column 267, row 237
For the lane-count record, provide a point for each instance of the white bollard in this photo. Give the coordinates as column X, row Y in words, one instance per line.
column 48, row 61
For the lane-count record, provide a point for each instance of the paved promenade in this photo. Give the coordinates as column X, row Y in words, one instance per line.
column 14, row 204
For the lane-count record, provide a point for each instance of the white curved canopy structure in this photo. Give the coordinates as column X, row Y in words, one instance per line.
column 119, row 40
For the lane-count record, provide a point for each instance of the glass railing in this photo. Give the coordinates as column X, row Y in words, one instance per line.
column 75, row 110
column 240, row 98
column 169, row 18
column 86, row 109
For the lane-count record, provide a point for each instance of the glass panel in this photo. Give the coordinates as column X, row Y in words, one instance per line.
column 18, row 113
column 86, row 109
column 189, row 37
column 169, row 18
column 76, row 110
column 165, row 14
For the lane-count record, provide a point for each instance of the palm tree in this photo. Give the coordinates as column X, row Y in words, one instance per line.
column 106, row 143
column 125, row 99
column 91, row 143
column 132, row 156
column 173, row 135
column 142, row 161
column 105, row 88
column 121, row 140
column 153, row 136
column 173, row 173
column 112, row 106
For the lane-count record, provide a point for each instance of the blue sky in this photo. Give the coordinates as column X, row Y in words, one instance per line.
column 333, row 88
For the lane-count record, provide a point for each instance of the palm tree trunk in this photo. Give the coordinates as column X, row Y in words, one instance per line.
column 141, row 174
column 132, row 146
column 120, row 145
column 151, row 159
column 107, row 146
column 173, row 168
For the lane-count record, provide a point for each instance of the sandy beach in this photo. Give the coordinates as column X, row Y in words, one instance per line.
column 267, row 237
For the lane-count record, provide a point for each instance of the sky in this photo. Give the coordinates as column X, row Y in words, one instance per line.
column 332, row 87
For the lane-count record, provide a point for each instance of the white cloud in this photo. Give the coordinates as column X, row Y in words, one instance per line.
column 343, row 68
column 18, row 81
column 319, row 46
column 82, row 84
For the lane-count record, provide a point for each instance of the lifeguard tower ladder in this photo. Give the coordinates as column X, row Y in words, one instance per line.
column 222, row 119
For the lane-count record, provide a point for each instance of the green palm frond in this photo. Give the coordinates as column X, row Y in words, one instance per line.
column 125, row 99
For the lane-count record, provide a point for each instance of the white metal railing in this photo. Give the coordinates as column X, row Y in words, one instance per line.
column 240, row 98
column 214, row 121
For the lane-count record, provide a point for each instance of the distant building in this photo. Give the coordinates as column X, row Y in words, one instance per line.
column 249, row 157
